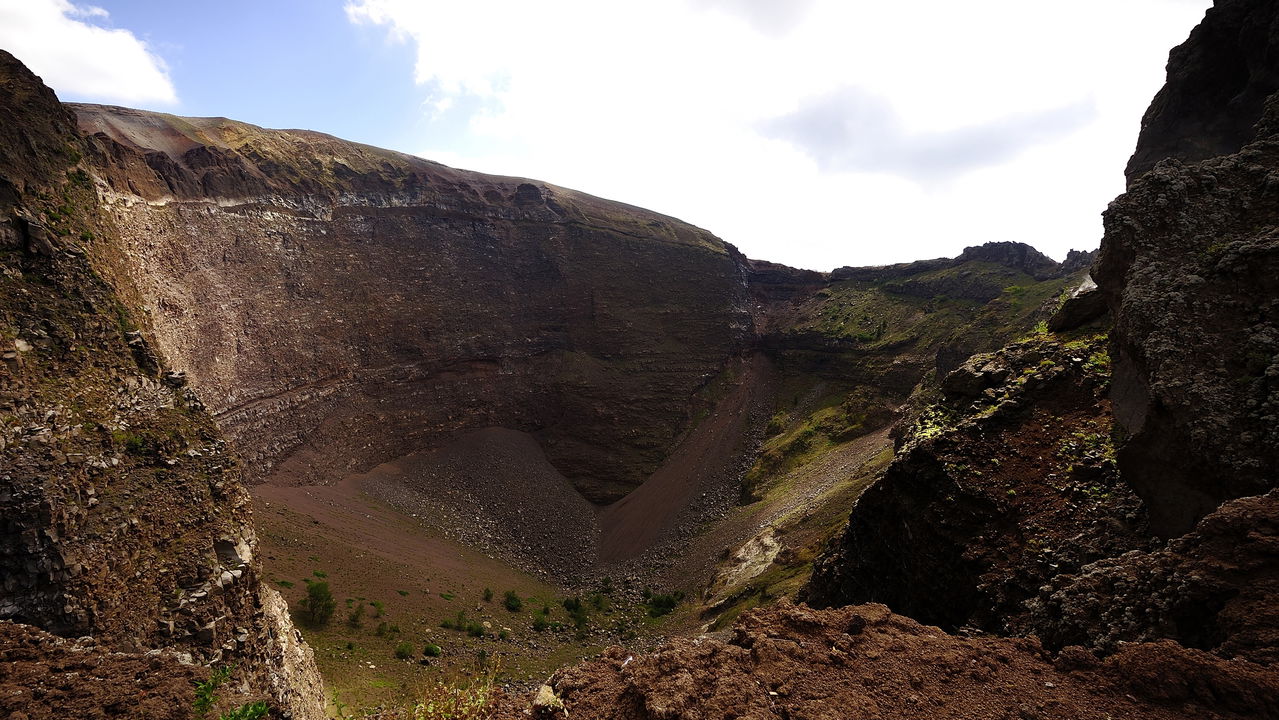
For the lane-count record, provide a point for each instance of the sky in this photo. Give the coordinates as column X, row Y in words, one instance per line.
column 816, row 133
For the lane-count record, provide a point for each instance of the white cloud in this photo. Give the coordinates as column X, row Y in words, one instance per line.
column 79, row 59
column 849, row 130
column 1026, row 111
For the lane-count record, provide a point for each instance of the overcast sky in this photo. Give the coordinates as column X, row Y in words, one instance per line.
column 816, row 133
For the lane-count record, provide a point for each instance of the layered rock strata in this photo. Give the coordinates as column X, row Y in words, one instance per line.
column 121, row 512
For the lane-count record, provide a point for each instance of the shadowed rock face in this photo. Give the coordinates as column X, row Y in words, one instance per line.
column 1005, row 484
column 1218, row 81
column 1189, row 267
column 339, row 305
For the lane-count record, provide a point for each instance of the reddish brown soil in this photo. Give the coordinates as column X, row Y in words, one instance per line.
column 44, row 676
column 865, row 662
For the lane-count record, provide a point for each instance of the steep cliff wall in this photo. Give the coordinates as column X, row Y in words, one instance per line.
column 1218, row 81
column 121, row 512
column 339, row 305
column 1189, row 266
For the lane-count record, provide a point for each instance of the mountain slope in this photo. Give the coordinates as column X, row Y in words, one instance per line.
column 339, row 306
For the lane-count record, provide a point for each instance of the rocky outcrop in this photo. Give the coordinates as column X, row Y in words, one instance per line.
column 1012, row 255
column 1218, row 82
column 1006, row 484
column 121, row 512
column 1215, row 588
column 1083, row 305
column 1190, row 268
column 339, row 306
column 864, row 661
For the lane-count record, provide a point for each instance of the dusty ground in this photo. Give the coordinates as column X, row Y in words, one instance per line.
column 370, row 553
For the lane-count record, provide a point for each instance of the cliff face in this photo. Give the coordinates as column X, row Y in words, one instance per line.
column 1022, row 504
column 339, row 305
column 121, row 512
column 1189, row 266
column 1218, row 81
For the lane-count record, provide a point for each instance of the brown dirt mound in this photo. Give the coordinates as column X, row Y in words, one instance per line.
column 865, row 662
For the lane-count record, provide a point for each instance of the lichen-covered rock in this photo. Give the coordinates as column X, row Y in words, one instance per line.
column 1006, row 484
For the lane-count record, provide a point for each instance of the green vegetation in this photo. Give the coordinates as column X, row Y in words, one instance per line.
column 540, row 623
column 432, row 650
column 355, row 620
column 463, row 624
column 488, row 594
column 511, row 600
column 205, row 692
column 318, row 604
column 284, row 583
column 248, row 711
column 458, row 699
column 403, row 650
column 661, row 604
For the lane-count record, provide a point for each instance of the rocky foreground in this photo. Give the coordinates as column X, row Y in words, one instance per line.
column 866, row 662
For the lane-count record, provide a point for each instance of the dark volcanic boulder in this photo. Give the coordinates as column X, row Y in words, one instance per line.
column 1190, row 267
column 1007, row 483
column 1216, row 588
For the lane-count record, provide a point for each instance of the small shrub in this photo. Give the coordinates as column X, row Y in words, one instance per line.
column 488, row 594
column 659, row 605
column 503, row 635
column 248, row 711
column 319, row 603
column 512, row 601
column 378, row 608
column 539, row 622
column 284, row 583
column 320, row 574
column 356, row 618
column 432, row 650
column 458, row 700
column 381, row 629
column 403, row 651
column 403, row 593
column 205, row 692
